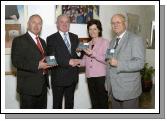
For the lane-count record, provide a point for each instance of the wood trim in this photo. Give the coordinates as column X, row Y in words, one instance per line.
column 86, row 39
column 10, row 73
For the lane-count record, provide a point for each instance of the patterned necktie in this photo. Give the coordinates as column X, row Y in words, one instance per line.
column 40, row 46
column 117, row 40
column 45, row 71
column 67, row 43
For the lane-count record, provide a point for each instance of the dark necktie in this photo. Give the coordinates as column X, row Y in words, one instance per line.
column 92, row 47
column 117, row 40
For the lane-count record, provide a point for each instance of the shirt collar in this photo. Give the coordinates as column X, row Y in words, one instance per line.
column 62, row 33
column 120, row 36
column 32, row 35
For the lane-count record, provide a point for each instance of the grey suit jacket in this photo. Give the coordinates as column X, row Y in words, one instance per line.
column 125, row 80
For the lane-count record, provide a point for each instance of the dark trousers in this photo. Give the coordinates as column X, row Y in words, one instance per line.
column 98, row 93
column 67, row 92
column 126, row 104
column 34, row 102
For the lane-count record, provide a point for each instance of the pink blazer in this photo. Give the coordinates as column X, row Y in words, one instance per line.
column 95, row 64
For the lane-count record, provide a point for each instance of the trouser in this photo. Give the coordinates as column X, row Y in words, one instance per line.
column 34, row 102
column 67, row 92
column 98, row 93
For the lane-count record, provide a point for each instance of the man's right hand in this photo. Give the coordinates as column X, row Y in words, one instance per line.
column 74, row 62
column 43, row 64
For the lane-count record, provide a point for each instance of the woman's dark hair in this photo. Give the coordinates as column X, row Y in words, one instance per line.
column 97, row 23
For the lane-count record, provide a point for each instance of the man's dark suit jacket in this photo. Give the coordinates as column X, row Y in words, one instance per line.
column 63, row 74
column 25, row 57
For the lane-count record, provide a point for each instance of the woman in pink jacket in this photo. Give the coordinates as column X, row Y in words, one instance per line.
column 94, row 61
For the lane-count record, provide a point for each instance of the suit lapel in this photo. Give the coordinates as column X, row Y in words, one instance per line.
column 31, row 41
column 111, row 46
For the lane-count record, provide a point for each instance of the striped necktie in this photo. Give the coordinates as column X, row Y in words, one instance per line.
column 67, row 42
column 40, row 46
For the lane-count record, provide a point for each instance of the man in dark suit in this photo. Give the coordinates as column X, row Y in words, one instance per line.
column 64, row 78
column 28, row 56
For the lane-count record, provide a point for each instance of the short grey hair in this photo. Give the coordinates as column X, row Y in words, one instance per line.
column 62, row 15
column 35, row 15
column 124, row 18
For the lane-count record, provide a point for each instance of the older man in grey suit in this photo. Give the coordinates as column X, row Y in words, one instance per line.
column 124, row 66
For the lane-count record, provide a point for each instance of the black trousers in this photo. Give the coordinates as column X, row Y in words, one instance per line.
column 67, row 92
column 34, row 102
column 98, row 93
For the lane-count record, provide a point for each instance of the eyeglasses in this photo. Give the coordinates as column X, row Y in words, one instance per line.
column 117, row 23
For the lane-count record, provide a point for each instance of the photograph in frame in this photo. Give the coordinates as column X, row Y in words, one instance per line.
column 15, row 19
column 79, row 14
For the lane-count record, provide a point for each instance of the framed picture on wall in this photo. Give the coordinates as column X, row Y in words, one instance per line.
column 11, row 31
column 133, row 23
column 79, row 14
column 15, row 24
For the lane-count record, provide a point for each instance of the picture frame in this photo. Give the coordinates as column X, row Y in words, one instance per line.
column 78, row 14
column 15, row 24
column 11, row 31
column 133, row 23
column 151, row 43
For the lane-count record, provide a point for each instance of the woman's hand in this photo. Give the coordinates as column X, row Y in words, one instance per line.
column 88, row 51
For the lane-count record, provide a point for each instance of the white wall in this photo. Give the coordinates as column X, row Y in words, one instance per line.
column 150, row 59
column 11, row 96
column 81, row 96
column 82, row 100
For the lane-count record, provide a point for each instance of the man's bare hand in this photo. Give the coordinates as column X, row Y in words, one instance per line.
column 43, row 64
column 74, row 62
column 113, row 62
column 88, row 51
